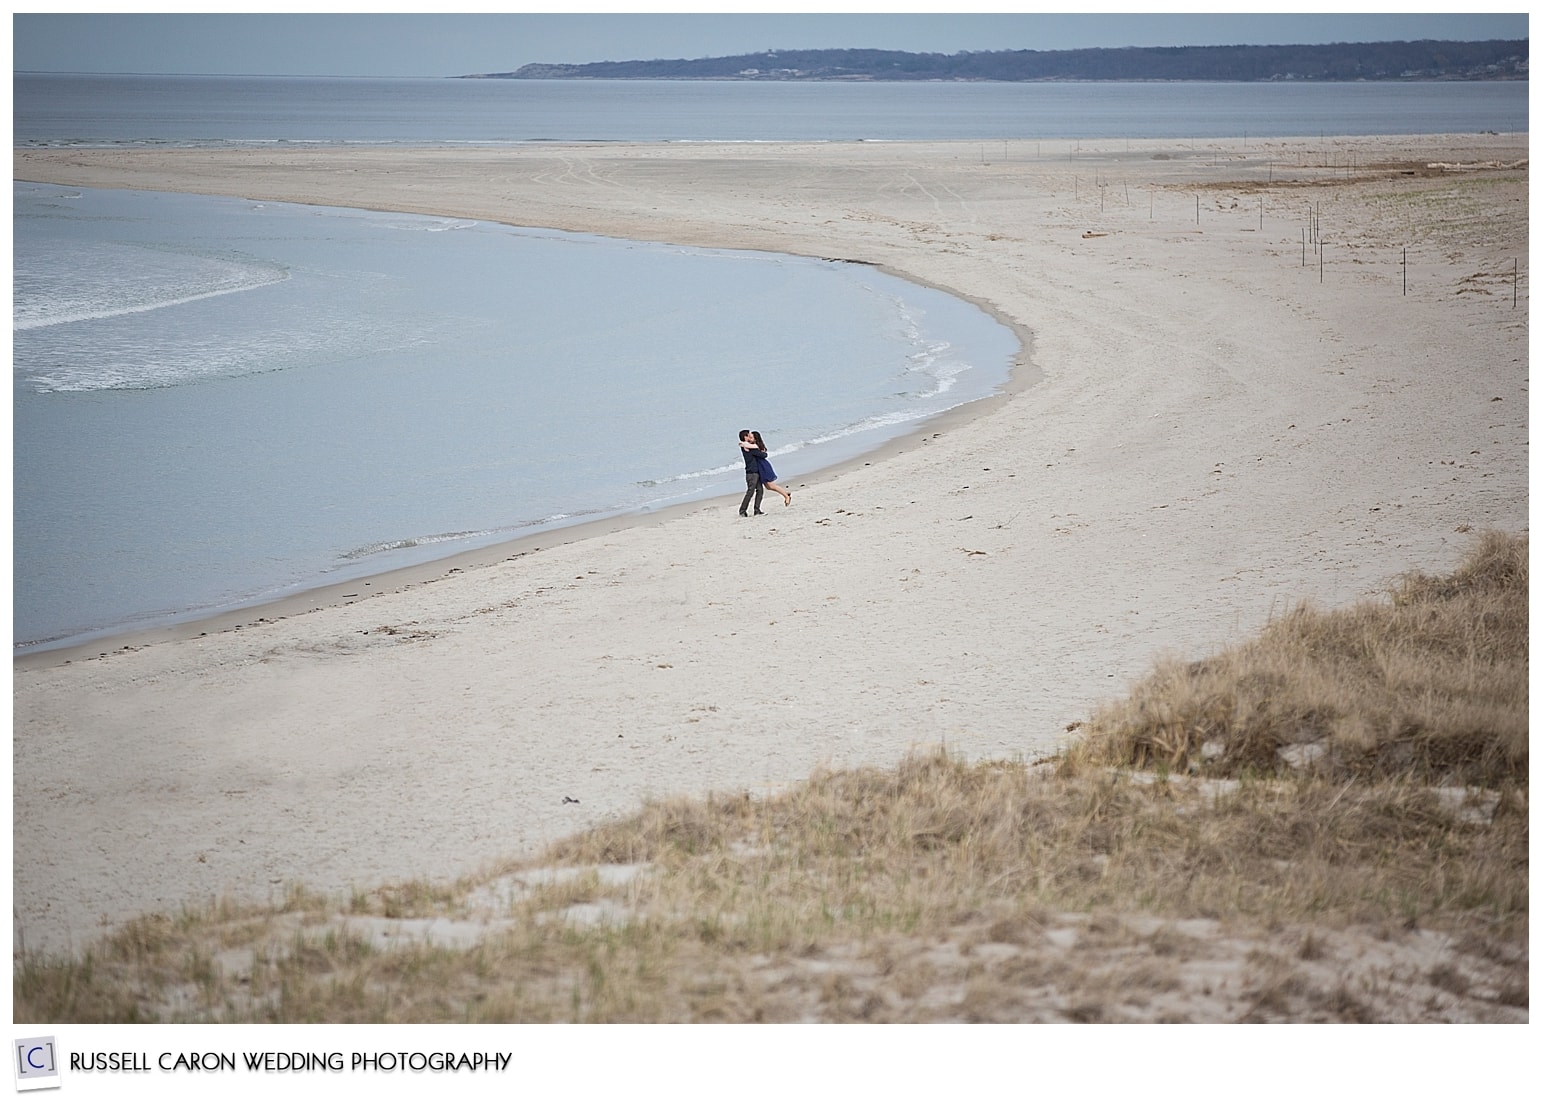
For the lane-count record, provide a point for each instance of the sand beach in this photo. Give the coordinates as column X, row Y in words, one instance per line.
column 1214, row 418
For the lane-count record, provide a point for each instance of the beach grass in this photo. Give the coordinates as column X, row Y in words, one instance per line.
column 1327, row 822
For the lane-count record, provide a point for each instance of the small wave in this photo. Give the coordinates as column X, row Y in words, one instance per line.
column 406, row 223
column 495, row 533
column 193, row 363
column 876, row 423
column 146, row 376
column 411, row 543
column 885, row 422
column 717, row 471
column 430, row 225
column 26, row 319
column 45, row 297
column 930, row 364
column 928, row 358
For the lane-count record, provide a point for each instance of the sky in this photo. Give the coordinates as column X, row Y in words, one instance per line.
column 372, row 44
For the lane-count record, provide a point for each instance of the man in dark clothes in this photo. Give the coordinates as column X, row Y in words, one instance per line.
column 752, row 456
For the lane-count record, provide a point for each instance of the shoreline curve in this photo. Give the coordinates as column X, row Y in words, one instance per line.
column 310, row 598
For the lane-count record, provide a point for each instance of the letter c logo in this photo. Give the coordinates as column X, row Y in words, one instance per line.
column 32, row 1063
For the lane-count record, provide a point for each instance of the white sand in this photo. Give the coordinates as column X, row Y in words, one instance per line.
column 1210, row 431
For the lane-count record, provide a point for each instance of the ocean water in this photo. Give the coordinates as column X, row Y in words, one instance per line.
column 52, row 109
column 217, row 401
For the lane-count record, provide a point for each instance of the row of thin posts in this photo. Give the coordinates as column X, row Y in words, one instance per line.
column 1311, row 233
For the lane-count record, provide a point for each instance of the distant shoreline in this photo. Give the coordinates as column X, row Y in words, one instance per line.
column 1339, row 62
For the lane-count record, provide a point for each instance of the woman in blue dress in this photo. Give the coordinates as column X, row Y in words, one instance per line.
column 768, row 474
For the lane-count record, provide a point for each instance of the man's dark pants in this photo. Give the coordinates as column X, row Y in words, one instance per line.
column 755, row 488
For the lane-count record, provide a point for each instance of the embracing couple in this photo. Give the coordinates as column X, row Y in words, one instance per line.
column 758, row 474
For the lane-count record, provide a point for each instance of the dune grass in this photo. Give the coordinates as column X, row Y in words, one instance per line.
column 1328, row 822
column 1431, row 687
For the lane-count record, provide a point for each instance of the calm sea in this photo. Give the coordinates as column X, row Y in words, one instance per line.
column 107, row 110
column 216, row 402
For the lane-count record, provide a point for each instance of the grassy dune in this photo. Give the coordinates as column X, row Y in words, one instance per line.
column 1326, row 823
